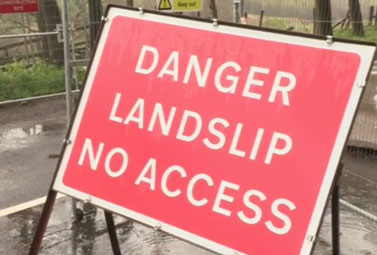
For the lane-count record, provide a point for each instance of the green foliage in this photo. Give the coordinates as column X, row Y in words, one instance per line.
column 370, row 34
column 276, row 23
column 81, row 73
column 18, row 80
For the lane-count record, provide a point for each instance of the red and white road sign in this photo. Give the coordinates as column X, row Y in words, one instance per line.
column 18, row 6
column 224, row 136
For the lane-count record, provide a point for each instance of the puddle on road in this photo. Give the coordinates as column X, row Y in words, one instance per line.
column 17, row 138
column 358, row 235
column 359, row 192
column 21, row 137
column 19, row 133
column 90, row 237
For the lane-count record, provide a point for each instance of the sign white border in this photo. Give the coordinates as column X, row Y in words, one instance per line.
column 365, row 52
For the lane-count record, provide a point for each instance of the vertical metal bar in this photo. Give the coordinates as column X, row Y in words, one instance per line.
column 42, row 225
column 213, row 7
column 335, row 213
column 68, row 78
column 371, row 15
column 72, row 50
column 112, row 233
column 242, row 8
column 67, row 67
column 236, row 9
column 86, row 25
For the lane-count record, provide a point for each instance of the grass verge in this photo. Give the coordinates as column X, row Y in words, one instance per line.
column 18, row 80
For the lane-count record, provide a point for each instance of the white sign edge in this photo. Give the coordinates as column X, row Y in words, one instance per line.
column 365, row 52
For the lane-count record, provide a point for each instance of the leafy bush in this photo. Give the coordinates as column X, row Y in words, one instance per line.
column 18, row 80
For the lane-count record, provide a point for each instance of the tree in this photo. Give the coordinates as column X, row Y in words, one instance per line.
column 322, row 17
column 47, row 19
column 356, row 17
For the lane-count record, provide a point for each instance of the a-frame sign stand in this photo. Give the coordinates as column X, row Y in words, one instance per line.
column 112, row 233
column 198, row 33
column 335, row 221
column 44, row 219
column 51, row 197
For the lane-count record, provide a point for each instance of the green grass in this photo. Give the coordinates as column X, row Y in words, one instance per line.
column 18, row 80
column 305, row 26
column 285, row 23
column 370, row 34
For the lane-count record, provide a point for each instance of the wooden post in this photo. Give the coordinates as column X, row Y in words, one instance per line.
column 371, row 15
column 261, row 17
column 348, row 21
column 43, row 222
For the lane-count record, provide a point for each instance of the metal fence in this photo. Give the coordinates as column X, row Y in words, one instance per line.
column 25, row 37
column 363, row 138
column 29, row 42
column 34, row 37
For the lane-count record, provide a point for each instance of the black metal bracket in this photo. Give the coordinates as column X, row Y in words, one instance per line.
column 112, row 233
column 45, row 216
column 51, row 197
column 335, row 222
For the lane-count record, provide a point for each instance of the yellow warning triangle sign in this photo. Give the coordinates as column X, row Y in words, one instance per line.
column 164, row 5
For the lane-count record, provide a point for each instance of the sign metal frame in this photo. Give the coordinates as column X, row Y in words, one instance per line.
column 364, row 50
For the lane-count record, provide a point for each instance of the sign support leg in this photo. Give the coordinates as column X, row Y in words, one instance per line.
column 42, row 225
column 112, row 233
column 335, row 213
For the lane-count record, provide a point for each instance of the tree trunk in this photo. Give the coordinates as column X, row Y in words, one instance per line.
column 95, row 14
column 322, row 17
column 48, row 18
column 356, row 17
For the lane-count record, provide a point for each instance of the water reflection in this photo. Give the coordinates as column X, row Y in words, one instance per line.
column 90, row 237
column 19, row 133
column 24, row 227
column 359, row 192
column 357, row 235
column 16, row 138
column 84, row 232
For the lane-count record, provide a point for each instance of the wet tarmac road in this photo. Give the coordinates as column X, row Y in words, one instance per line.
column 358, row 236
column 31, row 135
